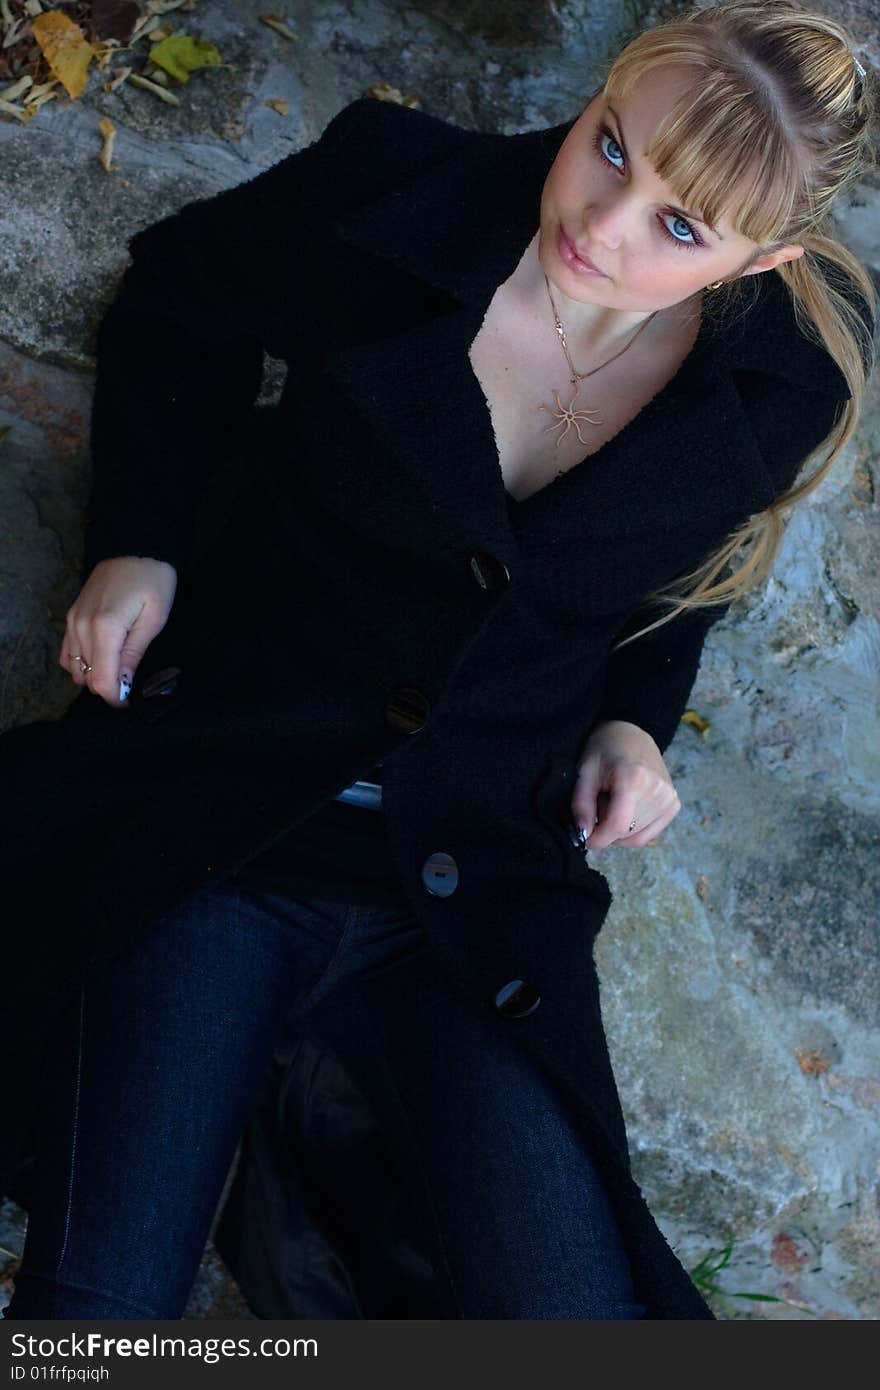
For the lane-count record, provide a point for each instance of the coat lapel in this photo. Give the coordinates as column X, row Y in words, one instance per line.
column 687, row 466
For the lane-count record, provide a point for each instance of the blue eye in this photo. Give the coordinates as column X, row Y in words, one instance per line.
column 607, row 134
column 603, row 133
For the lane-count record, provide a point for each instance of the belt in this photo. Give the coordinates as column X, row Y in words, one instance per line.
column 367, row 794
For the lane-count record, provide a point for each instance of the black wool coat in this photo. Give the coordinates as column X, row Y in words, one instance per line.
column 379, row 596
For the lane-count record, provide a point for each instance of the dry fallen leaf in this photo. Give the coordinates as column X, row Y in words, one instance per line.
column 41, row 89
column 275, row 22
column 108, row 130
column 139, row 81
column 66, row 50
column 104, row 52
column 119, row 77
column 787, row 1254
column 277, row 104
column 701, row 725
column 811, row 1063
column 165, row 6
column 145, row 26
column 13, row 32
column 9, row 109
column 39, row 95
column 383, row 91
column 11, row 93
column 703, row 886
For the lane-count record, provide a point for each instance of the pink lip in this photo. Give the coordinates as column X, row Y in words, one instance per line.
column 569, row 253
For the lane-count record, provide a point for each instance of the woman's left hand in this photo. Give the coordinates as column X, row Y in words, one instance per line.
column 622, row 778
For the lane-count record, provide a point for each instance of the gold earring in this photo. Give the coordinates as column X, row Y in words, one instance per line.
column 715, row 284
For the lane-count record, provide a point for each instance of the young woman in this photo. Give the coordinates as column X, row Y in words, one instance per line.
column 542, row 390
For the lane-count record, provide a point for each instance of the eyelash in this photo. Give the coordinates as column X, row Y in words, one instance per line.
column 676, row 241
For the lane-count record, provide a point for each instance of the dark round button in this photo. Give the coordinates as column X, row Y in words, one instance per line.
column 490, row 574
column 517, row 999
column 407, row 709
column 163, row 682
column 440, row 874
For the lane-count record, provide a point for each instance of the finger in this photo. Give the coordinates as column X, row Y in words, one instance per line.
column 137, row 639
column 107, row 642
column 585, row 800
column 616, row 814
column 73, row 648
column 645, row 833
column 652, row 820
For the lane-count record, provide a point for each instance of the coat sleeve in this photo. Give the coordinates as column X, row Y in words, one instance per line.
column 180, row 354
column 649, row 682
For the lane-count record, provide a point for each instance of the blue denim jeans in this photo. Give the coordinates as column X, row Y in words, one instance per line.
column 157, row 1065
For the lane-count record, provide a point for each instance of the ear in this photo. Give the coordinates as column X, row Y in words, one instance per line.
column 770, row 259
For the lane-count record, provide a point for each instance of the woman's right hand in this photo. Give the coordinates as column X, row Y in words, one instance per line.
column 123, row 605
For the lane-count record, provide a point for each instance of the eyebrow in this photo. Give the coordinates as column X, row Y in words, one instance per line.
column 679, row 212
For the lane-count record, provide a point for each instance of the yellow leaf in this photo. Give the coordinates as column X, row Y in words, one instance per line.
column 277, row 104
column 65, row 48
column 179, row 55
column 696, row 721
column 383, row 91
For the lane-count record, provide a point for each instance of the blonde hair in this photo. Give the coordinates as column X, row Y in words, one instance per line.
column 775, row 77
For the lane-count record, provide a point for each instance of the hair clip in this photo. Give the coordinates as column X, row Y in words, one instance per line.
column 859, row 69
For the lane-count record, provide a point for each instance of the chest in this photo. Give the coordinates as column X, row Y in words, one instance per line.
column 540, row 431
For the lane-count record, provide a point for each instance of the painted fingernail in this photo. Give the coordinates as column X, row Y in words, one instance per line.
column 578, row 837
column 124, row 687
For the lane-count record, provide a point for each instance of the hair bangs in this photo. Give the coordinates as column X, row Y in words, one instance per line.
column 719, row 148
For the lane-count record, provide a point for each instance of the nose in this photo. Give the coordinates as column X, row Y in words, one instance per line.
column 605, row 222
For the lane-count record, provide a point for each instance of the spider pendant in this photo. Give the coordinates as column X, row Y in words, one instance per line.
column 567, row 416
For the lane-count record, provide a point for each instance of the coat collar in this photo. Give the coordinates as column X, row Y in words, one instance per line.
column 689, row 460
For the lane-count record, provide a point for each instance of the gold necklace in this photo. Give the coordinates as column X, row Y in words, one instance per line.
column 567, row 416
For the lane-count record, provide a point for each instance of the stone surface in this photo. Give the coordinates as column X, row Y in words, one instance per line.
column 741, row 959
column 42, row 495
column 739, row 962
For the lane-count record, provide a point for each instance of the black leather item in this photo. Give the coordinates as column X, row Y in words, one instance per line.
column 318, row 1221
